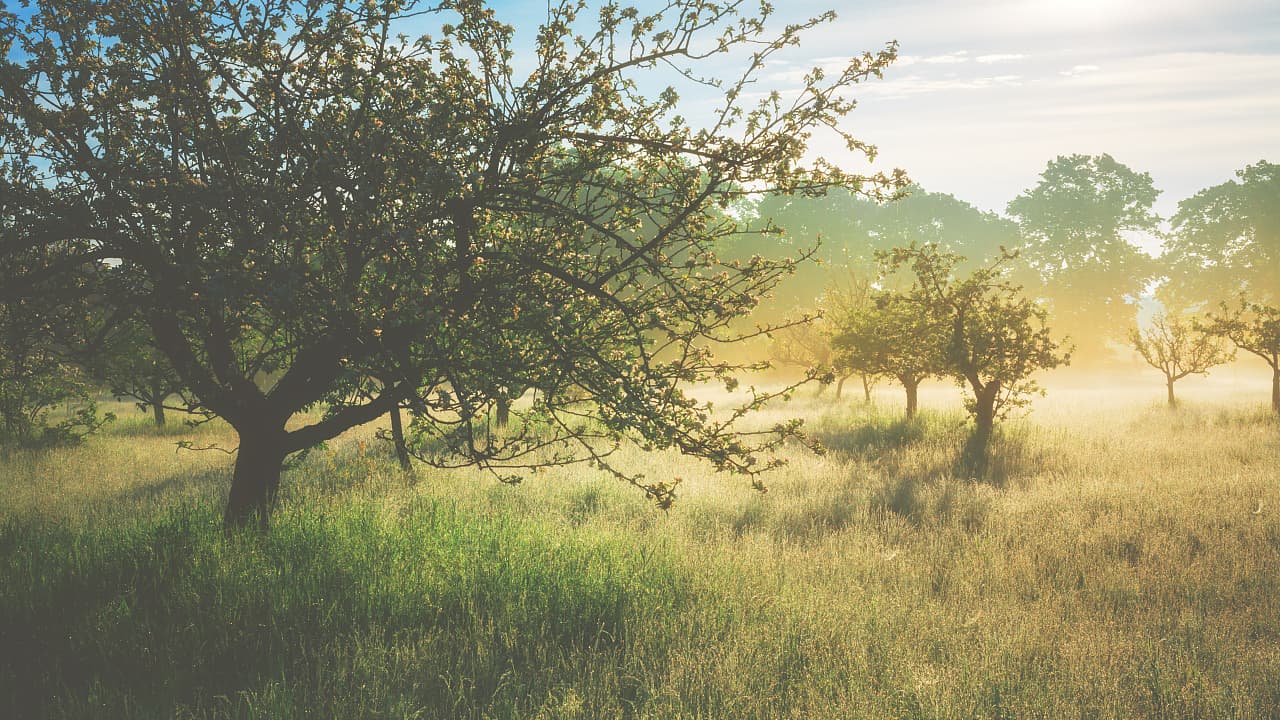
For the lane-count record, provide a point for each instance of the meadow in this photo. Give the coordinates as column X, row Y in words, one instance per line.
column 1120, row 560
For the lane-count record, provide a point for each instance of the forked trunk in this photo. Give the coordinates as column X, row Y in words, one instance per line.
column 259, row 462
column 397, row 437
column 913, row 388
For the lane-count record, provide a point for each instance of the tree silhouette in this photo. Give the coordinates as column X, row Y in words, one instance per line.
column 1226, row 240
column 994, row 338
column 299, row 192
column 1254, row 328
column 1176, row 348
column 893, row 336
column 1074, row 224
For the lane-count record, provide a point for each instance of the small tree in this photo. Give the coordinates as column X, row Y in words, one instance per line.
column 36, row 376
column 809, row 345
column 1254, row 328
column 134, row 368
column 893, row 336
column 1178, row 349
column 995, row 338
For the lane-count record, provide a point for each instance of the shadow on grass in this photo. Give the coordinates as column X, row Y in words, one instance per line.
column 874, row 438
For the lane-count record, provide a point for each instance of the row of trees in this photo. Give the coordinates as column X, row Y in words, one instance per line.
column 1074, row 232
column 1180, row 346
column 976, row 327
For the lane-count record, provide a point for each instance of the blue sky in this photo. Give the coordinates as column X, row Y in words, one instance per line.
column 986, row 92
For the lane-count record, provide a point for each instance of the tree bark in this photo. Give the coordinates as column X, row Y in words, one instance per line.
column 157, row 411
column 1275, row 389
column 985, row 410
column 840, row 386
column 912, row 388
column 866, row 388
column 397, row 438
column 1169, row 386
column 502, row 413
column 259, row 461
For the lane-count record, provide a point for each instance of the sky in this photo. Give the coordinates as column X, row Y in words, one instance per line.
column 986, row 92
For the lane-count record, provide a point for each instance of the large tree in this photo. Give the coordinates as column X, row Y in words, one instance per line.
column 383, row 221
column 1077, row 225
column 845, row 230
column 1226, row 240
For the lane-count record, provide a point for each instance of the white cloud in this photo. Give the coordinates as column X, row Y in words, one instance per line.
column 1079, row 70
column 999, row 58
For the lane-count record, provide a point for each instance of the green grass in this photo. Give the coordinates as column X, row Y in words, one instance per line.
column 1111, row 565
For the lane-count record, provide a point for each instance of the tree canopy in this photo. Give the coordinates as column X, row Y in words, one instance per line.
column 296, row 191
column 1226, row 240
column 1074, row 224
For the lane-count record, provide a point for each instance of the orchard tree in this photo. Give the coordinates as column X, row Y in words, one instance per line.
column 1226, row 240
column 299, row 192
column 1177, row 348
column 893, row 336
column 38, row 375
column 133, row 367
column 807, row 343
column 995, row 338
column 1076, row 224
column 1254, row 328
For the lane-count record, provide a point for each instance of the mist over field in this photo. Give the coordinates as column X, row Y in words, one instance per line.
column 580, row 360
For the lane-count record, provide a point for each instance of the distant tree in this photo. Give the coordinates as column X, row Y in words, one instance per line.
column 893, row 336
column 133, row 367
column 845, row 230
column 1254, row 328
column 37, row 375
column 1226, row 240
column 994, row 338
column 1177, row 348
column 1074, row 223
column 301, row 187
column 808, row 345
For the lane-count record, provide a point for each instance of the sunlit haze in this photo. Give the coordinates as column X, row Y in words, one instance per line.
column 986, row 92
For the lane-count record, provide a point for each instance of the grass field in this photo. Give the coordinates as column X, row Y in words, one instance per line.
column 1122, row 560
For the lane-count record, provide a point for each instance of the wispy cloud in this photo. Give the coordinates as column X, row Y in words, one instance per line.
column 1079, row 70
column 999, row 58
column 951, row 58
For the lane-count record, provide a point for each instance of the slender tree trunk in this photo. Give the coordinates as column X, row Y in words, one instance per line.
column 866, row 388
column 157, row 411
column 1169, row 386
column 502, row 413
column 840, row 385
column 397, row 438
column 259, row 461
column 912, row 388
column 1275, row 389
